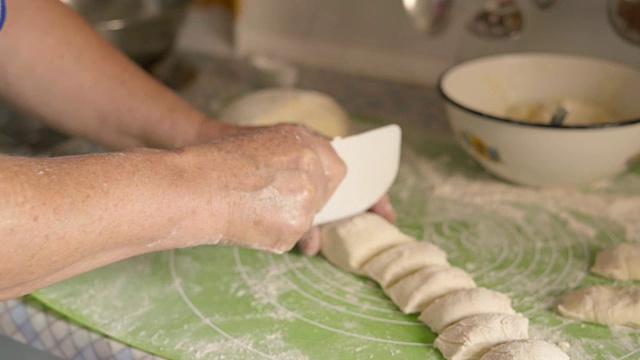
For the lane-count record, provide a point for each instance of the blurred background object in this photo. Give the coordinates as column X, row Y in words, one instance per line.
column 498, row 18
column 625, row 17
column 428, row 16
column 377, row 38
column 404, row 40
column 145, row 30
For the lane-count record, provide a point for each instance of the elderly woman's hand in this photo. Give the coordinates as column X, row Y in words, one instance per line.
column 268, row 183
column 309, row 243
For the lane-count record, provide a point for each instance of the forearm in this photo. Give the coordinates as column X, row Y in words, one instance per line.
column 55, row 67
column 64, row 216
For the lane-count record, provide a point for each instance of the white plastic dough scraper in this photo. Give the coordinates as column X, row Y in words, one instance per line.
column 372, row 159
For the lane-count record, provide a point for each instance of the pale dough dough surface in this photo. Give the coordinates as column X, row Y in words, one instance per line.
column 604, row 305
column 459, row 304
column 351, row 242
column 415, row 292
column 620, row 262
column 475, row 335
column 313, row 109
column 401, row 260
column 525, row 350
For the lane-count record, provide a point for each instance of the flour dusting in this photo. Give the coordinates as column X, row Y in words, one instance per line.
column 532, row 243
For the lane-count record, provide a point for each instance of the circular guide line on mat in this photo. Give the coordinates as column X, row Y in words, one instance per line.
column 252, row 285
column 564, row 277
column 313, row 269
column 177, row 284
column 343, row 310
column 530, row 266
column 356, row 298
column 637, row 351
column 505, row 253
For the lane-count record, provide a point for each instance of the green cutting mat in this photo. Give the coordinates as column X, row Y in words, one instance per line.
column 216, row 302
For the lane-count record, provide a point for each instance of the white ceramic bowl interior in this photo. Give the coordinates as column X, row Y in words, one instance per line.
column 478, row 93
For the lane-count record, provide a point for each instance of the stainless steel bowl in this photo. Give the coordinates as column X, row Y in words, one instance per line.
column 145, row 30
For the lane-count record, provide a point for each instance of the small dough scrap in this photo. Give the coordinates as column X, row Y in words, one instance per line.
column 620, row 262
column 603, row 304
column 415, row 292
column 313, row 109
column 473, row 336
column 401, row 260
column 459, row 304
column 525, row 350
column 351, row 242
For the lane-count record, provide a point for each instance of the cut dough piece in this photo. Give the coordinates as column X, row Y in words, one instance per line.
column 473, row 336
column 313, row 109
column 525, row 350
column 401, row 260
column 459, row 304
column 620, row 262
column 603, row 304
column 415, row 292
column 351, row 242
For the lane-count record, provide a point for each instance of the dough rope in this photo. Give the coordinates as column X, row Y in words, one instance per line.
column 417, row 277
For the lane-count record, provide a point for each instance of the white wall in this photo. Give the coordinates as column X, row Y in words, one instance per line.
column 375, row 37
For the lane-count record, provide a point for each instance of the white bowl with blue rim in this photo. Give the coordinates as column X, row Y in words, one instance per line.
column 500, row 108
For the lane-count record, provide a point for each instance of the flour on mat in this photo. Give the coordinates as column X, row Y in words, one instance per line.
column 503, row 198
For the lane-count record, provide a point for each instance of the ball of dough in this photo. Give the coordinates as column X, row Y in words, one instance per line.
column 620, row 262
column 415, row 292
column 459, row 304
column 401, row 260
column 525, row 350
column 603, row 304
column 473, row 336
column 313, row 109
column 351, row 242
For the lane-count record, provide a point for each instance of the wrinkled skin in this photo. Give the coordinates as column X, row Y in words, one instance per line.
column 309, row 243
column 281, row 177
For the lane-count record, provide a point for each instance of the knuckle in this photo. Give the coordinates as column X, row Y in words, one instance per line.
column 308, row 159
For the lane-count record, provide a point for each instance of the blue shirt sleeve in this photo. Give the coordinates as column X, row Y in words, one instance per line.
column 3, row 12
